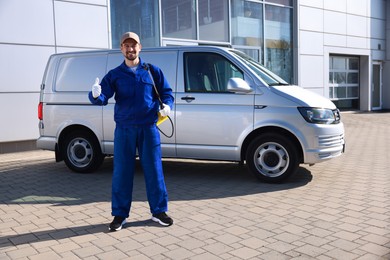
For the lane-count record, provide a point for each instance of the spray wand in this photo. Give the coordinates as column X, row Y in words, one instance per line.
column 161, row 118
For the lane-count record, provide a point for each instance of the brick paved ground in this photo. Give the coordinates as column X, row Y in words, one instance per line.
column 339, row 209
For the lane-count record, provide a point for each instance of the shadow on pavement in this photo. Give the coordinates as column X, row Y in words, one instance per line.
column 56, row 234
column 68, row 232
column 49, row 182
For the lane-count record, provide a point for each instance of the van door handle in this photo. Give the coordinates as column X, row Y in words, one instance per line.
column 188, row 98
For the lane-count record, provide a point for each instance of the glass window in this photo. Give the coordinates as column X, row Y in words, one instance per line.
column 339, row 77
column 178, row 19
column 353, row 78
column 344, row 79
column 330, row 77
column 353, row 63
column 253, row 53
column 213, row 20
column 339, row 63
column 74, row 72
column 278, row 38
column 281, row 2
column 247, row 23
column 145, row 23
column 331, row 92
column 341, row 92
column 353, row 92
column 266, row 75
column 208, row 72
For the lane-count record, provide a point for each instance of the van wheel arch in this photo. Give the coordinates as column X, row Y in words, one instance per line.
column 80, row 149
column 280, row 139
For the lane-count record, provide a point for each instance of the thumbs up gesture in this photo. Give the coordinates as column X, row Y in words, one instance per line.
column 96, row 89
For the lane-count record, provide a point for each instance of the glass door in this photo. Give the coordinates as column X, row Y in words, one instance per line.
column 376, row 86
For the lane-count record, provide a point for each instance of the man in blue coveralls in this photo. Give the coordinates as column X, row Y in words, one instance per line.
column 135, row 116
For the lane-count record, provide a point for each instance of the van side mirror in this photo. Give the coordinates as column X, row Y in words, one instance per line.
column 238, row 85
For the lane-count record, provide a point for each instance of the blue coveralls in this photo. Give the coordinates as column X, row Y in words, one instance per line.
column 135, row 115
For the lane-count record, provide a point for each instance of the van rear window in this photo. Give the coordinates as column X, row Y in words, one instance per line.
column 78, row 73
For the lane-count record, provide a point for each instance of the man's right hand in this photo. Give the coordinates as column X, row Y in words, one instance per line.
column 96, row 89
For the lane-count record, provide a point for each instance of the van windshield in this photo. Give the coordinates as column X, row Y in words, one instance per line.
column 268, row 76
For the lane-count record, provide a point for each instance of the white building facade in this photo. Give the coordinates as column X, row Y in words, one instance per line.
column 337, row 48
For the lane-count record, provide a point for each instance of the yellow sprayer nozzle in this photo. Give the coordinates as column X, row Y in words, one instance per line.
column 161, row 119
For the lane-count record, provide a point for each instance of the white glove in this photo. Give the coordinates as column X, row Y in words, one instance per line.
column 165, row 111
column 96, row 89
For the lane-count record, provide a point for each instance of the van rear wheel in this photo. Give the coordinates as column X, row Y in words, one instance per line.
column 272, row 158
column 81, row 152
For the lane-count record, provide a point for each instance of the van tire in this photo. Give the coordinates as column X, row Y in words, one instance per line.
column 81, row 152
column 272, row 158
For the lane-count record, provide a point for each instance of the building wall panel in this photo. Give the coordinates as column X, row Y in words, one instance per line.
column 30, row 32
column 19, row 116
column 92, row 2
column 357, row 42
column 80, row 25
column 22, row 67
column 357, row 26
column 335, row 22
column 311, row 43
column 27, row 22
column 312, row 3
column 336, row 5
column 335, row 40
column 358, row 7
column 311, row 19
column 311, row 71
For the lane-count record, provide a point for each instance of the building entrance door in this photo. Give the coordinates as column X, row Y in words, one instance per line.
column 376, row 86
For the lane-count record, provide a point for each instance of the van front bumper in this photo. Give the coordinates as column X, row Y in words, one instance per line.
column 329, row 147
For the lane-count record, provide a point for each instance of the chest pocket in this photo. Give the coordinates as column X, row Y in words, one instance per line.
column 147, row 87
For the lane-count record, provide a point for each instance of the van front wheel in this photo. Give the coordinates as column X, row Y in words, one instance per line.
column 81, row 152
column 272, row 158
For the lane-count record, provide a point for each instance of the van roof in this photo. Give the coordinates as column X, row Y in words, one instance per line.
column 152, row 49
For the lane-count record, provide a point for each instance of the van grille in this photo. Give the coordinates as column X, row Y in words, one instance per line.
column 332, row 140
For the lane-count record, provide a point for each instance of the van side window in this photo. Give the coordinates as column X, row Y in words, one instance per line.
column 75, row 71
column 208, row 72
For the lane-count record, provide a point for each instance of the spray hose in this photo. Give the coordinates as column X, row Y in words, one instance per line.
column 161, row 119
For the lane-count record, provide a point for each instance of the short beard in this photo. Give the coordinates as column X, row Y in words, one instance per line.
column 132, row 58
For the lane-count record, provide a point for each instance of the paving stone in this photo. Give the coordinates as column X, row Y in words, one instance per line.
column 217, row 248
column 339, row 209
column 180, row 253
column 244, row 253
column 375, row 249
column 47, row 255
column 22, row 252
column 341, row 254
column 204, row 256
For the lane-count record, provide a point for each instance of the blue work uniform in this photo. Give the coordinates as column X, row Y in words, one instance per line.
column 135, row 116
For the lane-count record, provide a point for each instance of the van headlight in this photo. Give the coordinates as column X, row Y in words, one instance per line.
column 320, row 115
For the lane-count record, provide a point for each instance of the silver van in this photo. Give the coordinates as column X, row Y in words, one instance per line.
column 227, row 107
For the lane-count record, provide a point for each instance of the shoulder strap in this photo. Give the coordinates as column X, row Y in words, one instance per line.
column 147, row 66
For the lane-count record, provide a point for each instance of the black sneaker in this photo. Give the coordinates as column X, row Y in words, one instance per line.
column 163, row 219
column 117, row 223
